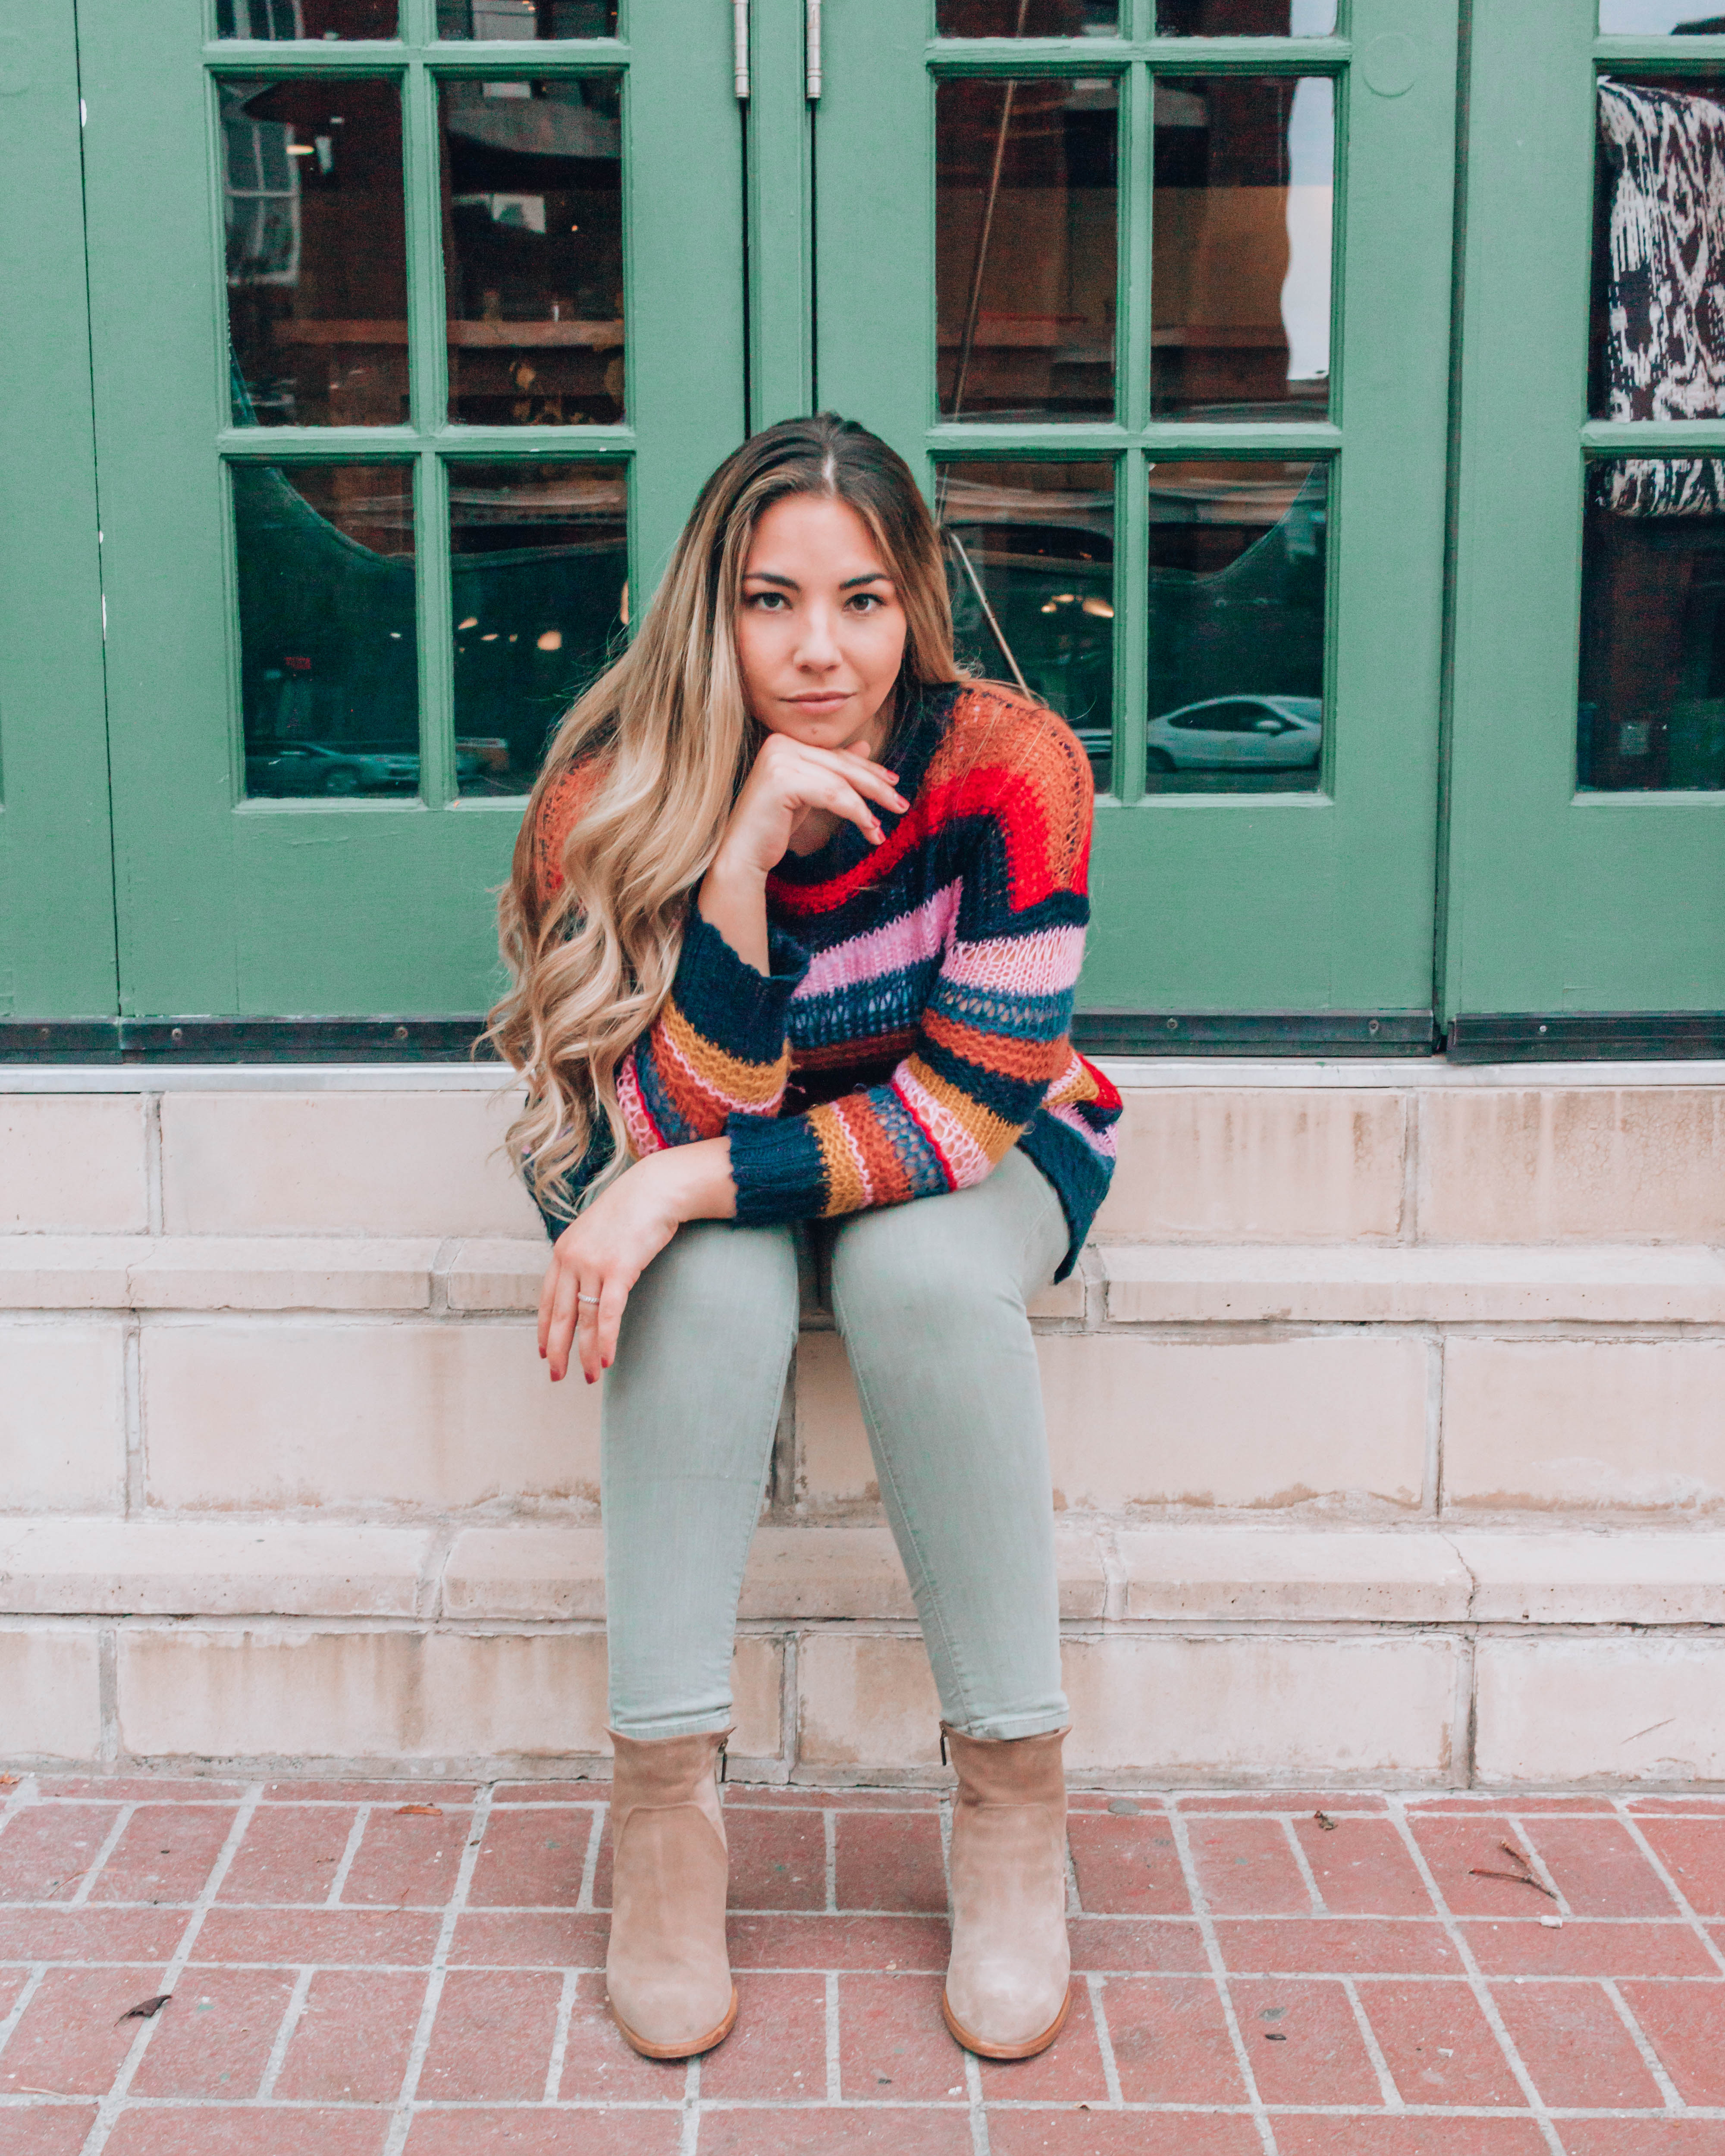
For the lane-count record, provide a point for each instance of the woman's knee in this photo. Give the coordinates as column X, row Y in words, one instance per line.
column 925, row 1264
column 716, row 1281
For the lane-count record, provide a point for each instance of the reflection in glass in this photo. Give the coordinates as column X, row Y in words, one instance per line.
column 540, row 557
column 1026, row 19
column 526, row 18
column 1024, row 248
column 329, row 674
column 1652, row 700
column 1658, row 335
column 1240, row 290
column 1245, row 18
column 317, row 295
column 1237, row 557
column 533, row 251
column 1657, row 18
column 1030, row 565
column 306, row 18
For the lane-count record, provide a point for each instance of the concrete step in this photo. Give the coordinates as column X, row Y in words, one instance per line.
column 395, row 1379
column 1201, row 1654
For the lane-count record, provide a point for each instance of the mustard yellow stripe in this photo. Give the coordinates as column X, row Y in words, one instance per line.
column 846, row 1190
column 747, row 1085
column 996, row 1137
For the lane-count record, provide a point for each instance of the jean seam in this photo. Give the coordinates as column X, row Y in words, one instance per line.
column 884, row 1462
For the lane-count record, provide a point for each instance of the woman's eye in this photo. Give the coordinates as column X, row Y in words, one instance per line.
column 770, row 601
column 866, row 602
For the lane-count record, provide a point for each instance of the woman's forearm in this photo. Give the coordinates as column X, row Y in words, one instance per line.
column 733, row 899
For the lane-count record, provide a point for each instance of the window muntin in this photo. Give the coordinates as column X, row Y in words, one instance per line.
column 1242, row 229
column 533, row 251
column 1238, row 562
column 317, row 251
column 1030, row 546
column 1026, row 213
column 539, row 590
column 329, row 673
column 325, row 20
column 1246, row 19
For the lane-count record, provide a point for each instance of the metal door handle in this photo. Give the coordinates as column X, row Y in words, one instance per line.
column 740, row 44
column 812, row 25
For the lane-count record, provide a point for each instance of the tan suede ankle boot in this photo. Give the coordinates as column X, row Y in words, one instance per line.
column 667, row 1972
column 1008, row 1982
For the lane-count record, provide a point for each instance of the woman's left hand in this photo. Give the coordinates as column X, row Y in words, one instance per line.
column 598, row 1259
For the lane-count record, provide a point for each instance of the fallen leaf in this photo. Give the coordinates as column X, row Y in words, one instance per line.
column 1325, row 1821
column 146, row 2007
column 421, row 1811
column 8, row 1781
column 1515, row 1879
column 1274, row 2036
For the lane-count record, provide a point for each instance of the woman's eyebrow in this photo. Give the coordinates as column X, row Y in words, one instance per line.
column 873, row 576
column 771, row 576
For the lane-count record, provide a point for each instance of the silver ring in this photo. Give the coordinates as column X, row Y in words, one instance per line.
column 587, row 1298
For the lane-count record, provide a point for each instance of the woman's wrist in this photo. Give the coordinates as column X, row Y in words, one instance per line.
column 694, row 1181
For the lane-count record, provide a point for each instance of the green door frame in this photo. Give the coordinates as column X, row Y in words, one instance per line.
column 57, row 957
column 1562, row 905
column 235, row 906
column 1265, row 920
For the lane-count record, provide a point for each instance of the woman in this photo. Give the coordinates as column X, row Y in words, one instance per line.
column 795, row 923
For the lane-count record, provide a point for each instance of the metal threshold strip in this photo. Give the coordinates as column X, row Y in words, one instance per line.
column 1503, row 1037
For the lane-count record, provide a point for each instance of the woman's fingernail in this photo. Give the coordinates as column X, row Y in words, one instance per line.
column 591, row 1381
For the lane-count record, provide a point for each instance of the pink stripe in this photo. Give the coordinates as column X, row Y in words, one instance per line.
column 1043, row 963
column 966, row 1162
column 759, row 1105
column 922, row 935
column 643, row 1136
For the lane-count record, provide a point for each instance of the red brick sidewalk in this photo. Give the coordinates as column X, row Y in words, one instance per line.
column 386, row 1969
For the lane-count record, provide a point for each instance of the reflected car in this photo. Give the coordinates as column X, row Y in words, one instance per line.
column 300, row 769
column 1237, row 733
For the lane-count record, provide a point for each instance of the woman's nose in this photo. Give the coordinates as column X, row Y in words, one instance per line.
column 818, row 645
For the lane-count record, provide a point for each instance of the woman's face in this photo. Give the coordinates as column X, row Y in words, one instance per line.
column 820, row 627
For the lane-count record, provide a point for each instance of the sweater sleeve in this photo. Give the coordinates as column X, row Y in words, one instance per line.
column 718, row 1050
column 993, row 1039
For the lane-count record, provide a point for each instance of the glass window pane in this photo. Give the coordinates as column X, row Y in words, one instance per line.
column 533, row 251
column 317, row 296
column 1659, row 227
column 540, row 556
column 1240, row 290
column 1652, row 704
column 328, row 19
column 1026, row 19
column 526, row 18
column 1237, row 565
column 329, row 674
column 1657, row 19
column 1024, row 248
column 1030, row 565
column 1245, row 18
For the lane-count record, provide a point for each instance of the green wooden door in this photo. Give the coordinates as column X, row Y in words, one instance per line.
column 1587, row 857
column 413, row 339
column 56, row 890
column 1157, row 296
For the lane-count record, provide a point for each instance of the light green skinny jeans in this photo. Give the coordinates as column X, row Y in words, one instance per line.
column 930, row 1299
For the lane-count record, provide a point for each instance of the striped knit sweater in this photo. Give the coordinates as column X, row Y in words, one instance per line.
column 914, row 1024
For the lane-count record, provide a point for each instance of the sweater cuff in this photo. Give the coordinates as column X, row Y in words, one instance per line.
column 727, row 1002
column 777, row 1167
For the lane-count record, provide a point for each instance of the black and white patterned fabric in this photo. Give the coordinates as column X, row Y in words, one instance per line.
column 1666, row 302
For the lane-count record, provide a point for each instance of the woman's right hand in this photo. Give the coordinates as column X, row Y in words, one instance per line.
column 790, row 781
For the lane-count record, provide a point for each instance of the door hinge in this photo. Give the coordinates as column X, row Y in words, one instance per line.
column 740, row 44
column 812, row 28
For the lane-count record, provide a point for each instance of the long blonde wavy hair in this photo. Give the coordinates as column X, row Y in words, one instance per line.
column 667, row 737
